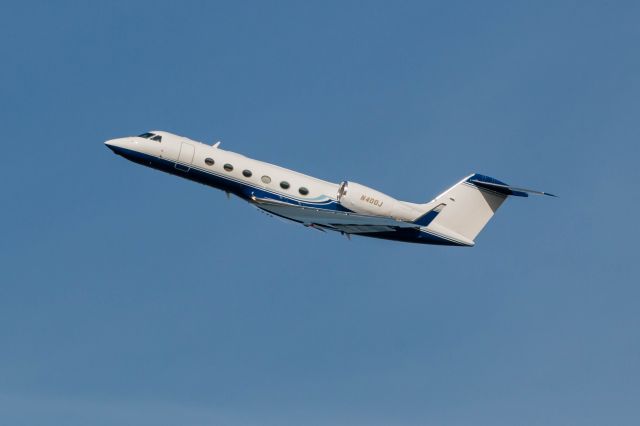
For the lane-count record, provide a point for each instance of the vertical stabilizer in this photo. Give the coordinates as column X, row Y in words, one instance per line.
column 468, row 207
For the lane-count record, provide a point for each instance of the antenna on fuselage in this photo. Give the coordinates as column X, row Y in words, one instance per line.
column 217, row 144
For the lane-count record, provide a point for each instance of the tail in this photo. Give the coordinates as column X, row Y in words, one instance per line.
column 463, row 210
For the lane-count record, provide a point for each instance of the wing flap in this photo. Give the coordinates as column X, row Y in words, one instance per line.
column 363, row 229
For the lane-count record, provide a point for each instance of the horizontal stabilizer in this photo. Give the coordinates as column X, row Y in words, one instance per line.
column 501, row 187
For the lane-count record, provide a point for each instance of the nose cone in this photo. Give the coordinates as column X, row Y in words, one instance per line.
column 112, row 143
column 117, row 145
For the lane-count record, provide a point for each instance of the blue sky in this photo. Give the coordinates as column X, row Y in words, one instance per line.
column 132, row 297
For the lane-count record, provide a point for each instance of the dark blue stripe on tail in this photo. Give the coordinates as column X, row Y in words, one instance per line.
column 426, row 218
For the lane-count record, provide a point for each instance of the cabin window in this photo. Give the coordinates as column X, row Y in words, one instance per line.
column 157, row 138
column 228, row 167
column 265, row 179
column 303, row 190
column 209, row 161
column 284, row 184
column 246, row 173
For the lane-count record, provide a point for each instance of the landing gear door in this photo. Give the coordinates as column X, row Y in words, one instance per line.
column 186, row 157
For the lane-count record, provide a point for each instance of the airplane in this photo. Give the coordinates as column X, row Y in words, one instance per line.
column 453, row 218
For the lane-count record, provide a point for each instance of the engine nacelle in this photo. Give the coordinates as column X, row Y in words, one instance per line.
column 364, row 200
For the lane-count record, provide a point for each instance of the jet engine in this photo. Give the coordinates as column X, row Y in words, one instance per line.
column 364, row 200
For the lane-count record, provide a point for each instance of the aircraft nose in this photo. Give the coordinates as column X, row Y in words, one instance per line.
column 114, row 144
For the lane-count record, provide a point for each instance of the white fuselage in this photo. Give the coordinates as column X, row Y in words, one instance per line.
column 455, row 217
column 247, row 177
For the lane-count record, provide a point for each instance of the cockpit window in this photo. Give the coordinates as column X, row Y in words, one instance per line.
column 151, row 136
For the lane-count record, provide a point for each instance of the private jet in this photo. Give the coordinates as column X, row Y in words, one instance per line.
column 453, row 218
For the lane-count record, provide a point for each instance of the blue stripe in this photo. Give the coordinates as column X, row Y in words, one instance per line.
column 241, row 189
column 426, row 218
column 245, row 190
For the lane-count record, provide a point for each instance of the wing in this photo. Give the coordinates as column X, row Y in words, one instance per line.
column 347, row 222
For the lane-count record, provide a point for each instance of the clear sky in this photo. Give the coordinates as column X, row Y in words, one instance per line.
column 132, row 297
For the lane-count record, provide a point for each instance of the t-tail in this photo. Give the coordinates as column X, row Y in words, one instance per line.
column 462, row 211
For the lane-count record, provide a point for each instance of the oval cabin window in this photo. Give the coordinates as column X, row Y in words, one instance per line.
column 284, row 185
column 246, row 173
column 303, row 190
column 265, row 179
column 228, row 167
column 209, row 161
